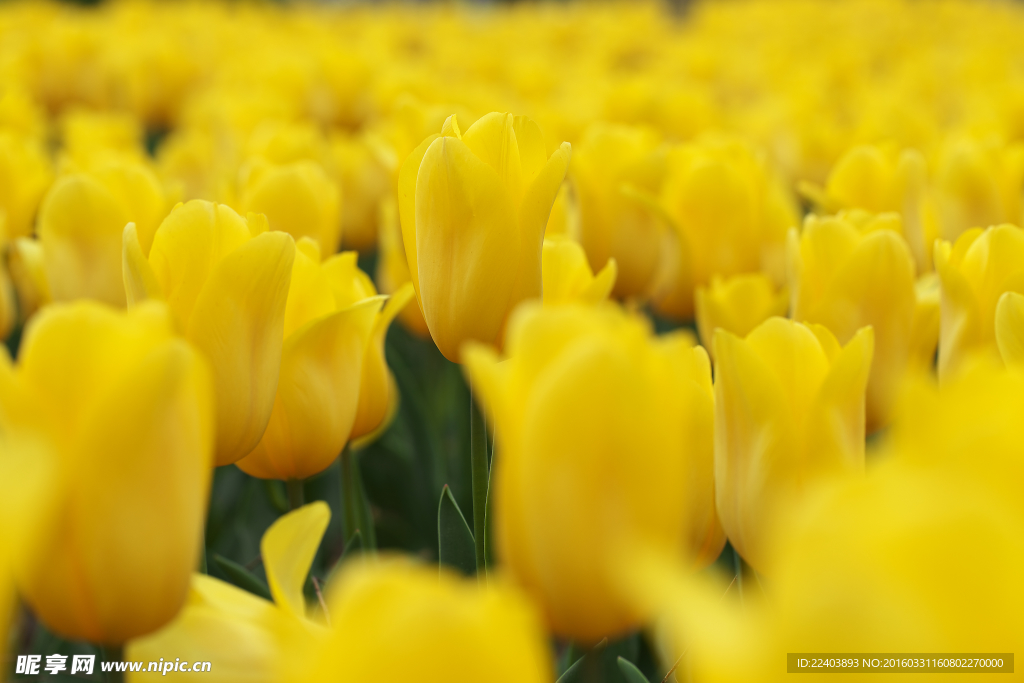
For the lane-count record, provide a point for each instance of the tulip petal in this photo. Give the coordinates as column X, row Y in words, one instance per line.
column 530, row 140
column 187, row 247
column 28, row 273
column 1010, row 327
column 221, row 624
column 492, row 138
column 376, row 391
column 407, row 176
column 835, row 438
column 317, row 395
column 533, row 218
column 288, row 548
column 139, row 281
column 600, row 288
column 466, row 230
column 238, row 322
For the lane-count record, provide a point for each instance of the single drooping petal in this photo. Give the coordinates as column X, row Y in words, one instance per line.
column 288, row 548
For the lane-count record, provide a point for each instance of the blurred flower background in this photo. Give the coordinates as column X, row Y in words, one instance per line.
column 631, row 316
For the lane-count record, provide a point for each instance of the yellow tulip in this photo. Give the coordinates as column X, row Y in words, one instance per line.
column 226, row 281
column 849, row 271
column 738, row 305
column 297, row 198
column 393, row 268
column 24, row 176
column 473, row 209
column 604, row 448
column 244, row 637
column 127, row 406
column 81, row 221
column 335, row 384
column 789, row 409
column 863, row 566
column 567, row 276
column 975, row 272
column 450, row 630
column 731, row 217
column 878, row 179
column 612, row 163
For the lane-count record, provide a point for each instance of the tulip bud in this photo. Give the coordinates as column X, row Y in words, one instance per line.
column 567, row 276
column 24, row 176
column 604, row 442
column 614, row 163
column 789, row 408
column 298, row 198
column 226, row 281
column 731, row 216
column 128, row 408
column 975, row 272
column 452, row 630
column 854, row 270
column 473, row 209
column 738, row 305
column 81, row 222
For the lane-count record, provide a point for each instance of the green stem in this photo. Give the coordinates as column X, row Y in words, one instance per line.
column 114, row 653
column 478, row 467
column 350, row 494
column 296, row 496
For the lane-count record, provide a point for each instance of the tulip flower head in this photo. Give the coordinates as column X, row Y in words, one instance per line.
column 81, row 222
column 853, row 270
column 473, row 209
column 605, row 448
column 789, row 409
column 127, row 407
column 225, row 279
column 298, row 198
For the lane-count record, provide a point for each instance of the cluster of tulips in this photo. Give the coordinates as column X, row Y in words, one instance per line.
column 737, row 293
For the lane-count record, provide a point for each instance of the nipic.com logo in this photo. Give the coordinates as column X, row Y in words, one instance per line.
column 85, row 664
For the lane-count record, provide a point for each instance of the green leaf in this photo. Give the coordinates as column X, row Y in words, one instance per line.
column 456, row 546
column 630, row 672
column 241, row 577
column 354, row 546
column 588, row 663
